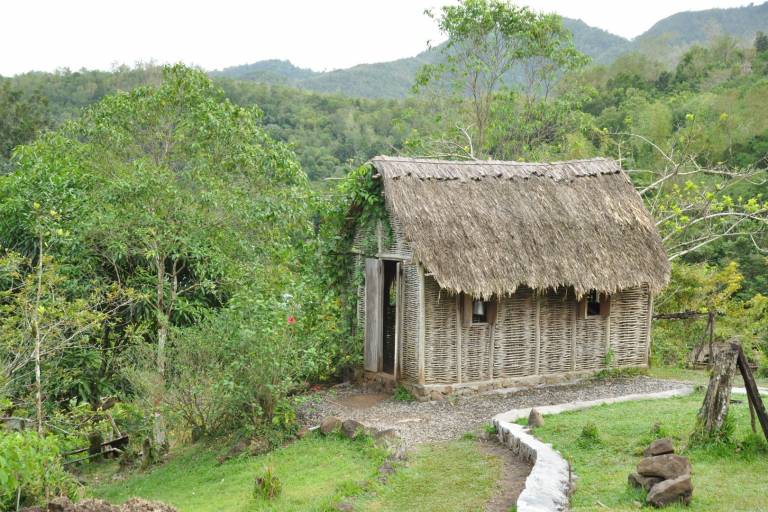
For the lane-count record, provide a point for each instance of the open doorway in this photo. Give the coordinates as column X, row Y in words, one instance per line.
column 389, row 302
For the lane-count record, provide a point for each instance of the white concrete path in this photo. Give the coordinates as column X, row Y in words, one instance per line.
column 548, row 486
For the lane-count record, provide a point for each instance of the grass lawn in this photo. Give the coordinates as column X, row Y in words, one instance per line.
column 733, row 478
column 316, row 473
column 445, row 477
column 696, row 376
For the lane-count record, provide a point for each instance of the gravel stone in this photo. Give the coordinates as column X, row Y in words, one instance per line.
column 424, row 422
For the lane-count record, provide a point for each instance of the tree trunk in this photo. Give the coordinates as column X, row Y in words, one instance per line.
column 162, row 336
column 714, row 410
column 38, row 338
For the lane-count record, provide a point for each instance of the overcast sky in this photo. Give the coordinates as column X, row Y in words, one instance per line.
column 318, row 34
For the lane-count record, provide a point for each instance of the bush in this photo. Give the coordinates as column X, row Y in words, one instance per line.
column 267, row 485
column 589, row 436
column 31, row 470
column 402, row 394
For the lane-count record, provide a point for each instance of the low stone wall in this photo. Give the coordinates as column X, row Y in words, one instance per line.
column 549, row 484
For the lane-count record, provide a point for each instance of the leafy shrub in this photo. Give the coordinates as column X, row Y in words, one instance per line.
column 589, row 436
column 490, row 428
column 267, row 485
column 402, row 394
column 31, row 470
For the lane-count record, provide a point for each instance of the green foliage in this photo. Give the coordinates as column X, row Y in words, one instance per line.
column 23, row 115
column 402, row 394
column 589, row 436
column 267, row 485
column 30, row 470
column 489, row 42
column 490, row 428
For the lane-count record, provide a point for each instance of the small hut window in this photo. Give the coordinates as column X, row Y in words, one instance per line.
column 593, row 304
column 476, row 311
column 480, row 311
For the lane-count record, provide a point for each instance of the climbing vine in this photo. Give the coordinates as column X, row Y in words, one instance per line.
column 357, row 206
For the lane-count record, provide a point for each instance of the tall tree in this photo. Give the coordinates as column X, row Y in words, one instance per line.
column 493, row 45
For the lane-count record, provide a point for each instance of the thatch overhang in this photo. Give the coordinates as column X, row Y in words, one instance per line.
column 487, row 227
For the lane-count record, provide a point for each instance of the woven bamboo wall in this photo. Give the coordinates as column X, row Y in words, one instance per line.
column 514, row 340
column 409, row 340
column 629, row 327
column 439, row 344
column 567, row 343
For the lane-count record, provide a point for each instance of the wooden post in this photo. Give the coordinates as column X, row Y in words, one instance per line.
column 753, row 393
column 537, row 334
column 458, row 336
column 422, row 324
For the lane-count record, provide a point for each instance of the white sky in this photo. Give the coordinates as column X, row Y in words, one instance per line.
column 318, row 34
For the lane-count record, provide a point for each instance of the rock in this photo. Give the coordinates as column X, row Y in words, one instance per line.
column 644, row 482
column 659, row 447
column 386, row 469
column 674, row 490
column 302, row 433
column 60, row 504
column 330, row 424
column 236, row 449
column 345, row 506
column 350, row 428
column 535, row 419
column 388, row 434
column 259, row 446
column 665, row 467
column 436, row 396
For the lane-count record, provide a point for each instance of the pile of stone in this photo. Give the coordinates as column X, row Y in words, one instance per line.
column 666, row 476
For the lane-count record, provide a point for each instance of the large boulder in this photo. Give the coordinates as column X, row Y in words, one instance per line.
column 643, row 482
column 665, row 467
column 330, row 424
column 670, row 491
column 659, row 447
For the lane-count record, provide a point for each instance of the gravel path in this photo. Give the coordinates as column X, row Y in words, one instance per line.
column 421, row 422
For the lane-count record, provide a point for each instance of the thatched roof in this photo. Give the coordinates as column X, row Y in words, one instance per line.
column 487, row 227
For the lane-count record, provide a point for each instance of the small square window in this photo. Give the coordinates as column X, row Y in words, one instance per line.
column 480, row 311
column 593, row 304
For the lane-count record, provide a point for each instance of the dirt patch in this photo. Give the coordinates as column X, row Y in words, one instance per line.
column 514, row 471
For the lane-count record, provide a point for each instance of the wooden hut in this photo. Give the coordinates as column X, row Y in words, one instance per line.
column 496, row 274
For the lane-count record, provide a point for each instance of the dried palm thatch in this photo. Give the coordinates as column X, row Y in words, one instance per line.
column 488, row 227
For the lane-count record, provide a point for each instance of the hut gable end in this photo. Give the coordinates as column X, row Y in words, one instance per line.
column 488, row 227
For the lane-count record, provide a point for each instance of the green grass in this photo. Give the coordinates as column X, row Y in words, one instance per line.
column 695, row 376
column 315, row 472
column 733, row 478
column 445, row 477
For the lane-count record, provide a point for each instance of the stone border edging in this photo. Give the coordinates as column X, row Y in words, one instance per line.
column 548, row 486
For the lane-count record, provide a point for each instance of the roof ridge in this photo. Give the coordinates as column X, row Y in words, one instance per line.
column 489, row 162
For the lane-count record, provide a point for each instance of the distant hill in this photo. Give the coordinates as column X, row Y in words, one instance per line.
column 666, row 41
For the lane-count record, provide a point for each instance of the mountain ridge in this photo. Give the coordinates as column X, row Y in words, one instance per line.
column 666, row 40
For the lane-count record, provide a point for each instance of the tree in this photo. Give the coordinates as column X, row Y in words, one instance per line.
column 22, row 116
column 761, row 42
column 171, row 191
column 493, row 45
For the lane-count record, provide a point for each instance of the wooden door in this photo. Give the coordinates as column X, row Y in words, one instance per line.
column 374, row 309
